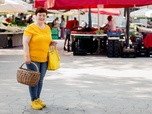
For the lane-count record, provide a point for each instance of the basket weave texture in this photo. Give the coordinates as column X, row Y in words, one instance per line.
column 28, row 77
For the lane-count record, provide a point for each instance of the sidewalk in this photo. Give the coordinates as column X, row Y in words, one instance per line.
column 83, row 85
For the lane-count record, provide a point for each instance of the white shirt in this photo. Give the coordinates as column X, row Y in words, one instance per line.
column 111, row 25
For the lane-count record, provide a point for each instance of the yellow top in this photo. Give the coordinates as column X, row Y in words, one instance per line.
column 39, row 43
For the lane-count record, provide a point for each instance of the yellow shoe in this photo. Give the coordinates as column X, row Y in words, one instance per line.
column 41, row 103
column 35, row 105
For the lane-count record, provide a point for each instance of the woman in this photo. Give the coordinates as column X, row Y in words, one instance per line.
column 110, row 25
column 55, row 24
column 36, row 42
column 62, row 27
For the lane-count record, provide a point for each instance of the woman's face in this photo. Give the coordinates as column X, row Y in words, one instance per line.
column 41, row 17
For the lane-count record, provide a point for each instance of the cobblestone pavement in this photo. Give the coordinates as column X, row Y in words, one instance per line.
column 92, row 84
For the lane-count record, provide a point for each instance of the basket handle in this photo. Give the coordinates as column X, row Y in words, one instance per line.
column 33, row 64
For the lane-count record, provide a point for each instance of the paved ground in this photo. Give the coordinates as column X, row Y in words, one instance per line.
column 83, row 85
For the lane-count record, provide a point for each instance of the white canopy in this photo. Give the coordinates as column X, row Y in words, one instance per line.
column 146, row 12
column 13, row 6
column 2, row 1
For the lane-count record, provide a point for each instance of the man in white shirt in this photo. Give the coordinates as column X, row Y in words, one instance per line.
column 111, row 24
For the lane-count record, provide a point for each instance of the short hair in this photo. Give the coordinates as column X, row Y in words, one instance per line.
column 75, row 18
column 40, row 10
column 56, row 18
column 109, row 18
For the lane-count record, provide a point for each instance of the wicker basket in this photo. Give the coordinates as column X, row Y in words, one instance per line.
column 28, row 77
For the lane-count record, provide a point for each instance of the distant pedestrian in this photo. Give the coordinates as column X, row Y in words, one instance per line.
column 123, row 24
column 71, row 25
column 30, row 20
column 83, row 24
column 55, row 24
column 62, row 27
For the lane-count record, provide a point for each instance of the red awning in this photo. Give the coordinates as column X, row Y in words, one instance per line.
column 80, row 4
column 38, row 3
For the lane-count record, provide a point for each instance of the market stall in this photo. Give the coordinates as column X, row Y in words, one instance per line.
column 12, row 27
column 10, row 35
column 10, row 39
column 88, row 43
column 97, row 42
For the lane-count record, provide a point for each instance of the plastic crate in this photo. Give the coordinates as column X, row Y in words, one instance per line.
column 114, row 34
column 55, row 34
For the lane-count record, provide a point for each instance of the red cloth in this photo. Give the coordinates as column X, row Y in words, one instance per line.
column 148, row 41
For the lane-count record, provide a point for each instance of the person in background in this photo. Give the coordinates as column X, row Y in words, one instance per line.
column 62, row 27
column 123, row 24
column 36, row 43
column 71, row 25
column 110, row 25
column 83, row 24
column 55, row 24
column 30, row 20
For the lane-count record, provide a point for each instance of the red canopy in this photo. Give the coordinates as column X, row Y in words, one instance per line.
column 38, row 3
column 80, row 4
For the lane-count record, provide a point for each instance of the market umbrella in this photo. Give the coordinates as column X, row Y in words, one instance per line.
column 142, row 13
column 13, row 7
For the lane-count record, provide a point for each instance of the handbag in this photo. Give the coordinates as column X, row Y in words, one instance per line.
column 27, row 76
column 53, row 59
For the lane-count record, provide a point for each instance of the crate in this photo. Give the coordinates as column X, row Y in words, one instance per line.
column 113, row 48
column 114, row 34
column 55, row 34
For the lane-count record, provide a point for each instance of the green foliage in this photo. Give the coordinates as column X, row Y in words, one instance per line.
column 19, row 23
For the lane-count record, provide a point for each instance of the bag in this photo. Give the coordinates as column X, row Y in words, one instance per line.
column 27, row 76
column 53, row 59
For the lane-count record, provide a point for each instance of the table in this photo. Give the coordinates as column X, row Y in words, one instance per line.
column 10, row 39
column 102, row 40
column 88, row 38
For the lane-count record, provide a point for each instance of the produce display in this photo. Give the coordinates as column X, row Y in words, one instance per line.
column 88, row 30
column 83, row 32
column 8, row 27
column 99, row 31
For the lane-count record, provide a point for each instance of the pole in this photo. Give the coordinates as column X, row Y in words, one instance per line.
column 98, row 18
column 89, row 18
column 127, row 27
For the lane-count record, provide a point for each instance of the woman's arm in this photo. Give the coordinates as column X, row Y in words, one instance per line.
column 26, row 41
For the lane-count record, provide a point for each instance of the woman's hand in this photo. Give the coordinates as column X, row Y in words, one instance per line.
column 53, row 43
column 27, row 60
